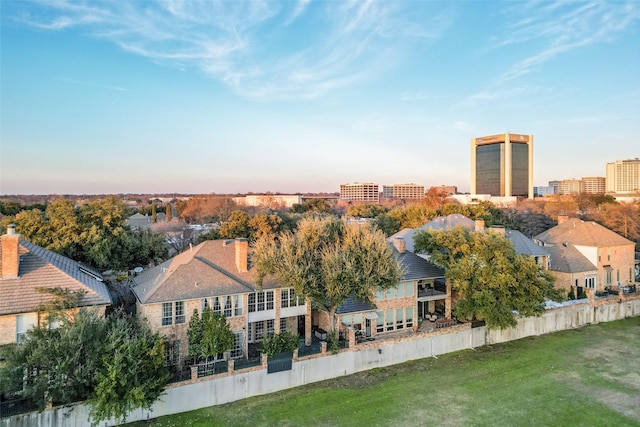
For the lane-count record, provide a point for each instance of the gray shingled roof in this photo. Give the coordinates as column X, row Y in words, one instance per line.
column 523, row 245
column 439, row 223
column 582, row 233
column 568, row 259
column 41, row 268
column 206, row 270
column 355, row 305
column 416, row 267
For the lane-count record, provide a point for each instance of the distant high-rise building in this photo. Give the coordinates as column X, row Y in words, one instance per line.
column 623, row 176
column 554, row 185
column 593, row 184
column 570, row 186
column 360, row 192
column 403, row 191
column 502, row 165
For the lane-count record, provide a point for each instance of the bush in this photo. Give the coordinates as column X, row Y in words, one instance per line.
column 280, row 343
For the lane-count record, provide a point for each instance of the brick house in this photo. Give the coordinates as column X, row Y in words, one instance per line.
column 421, row 290
column 218, row 274
column 586, row 255
column 25, row 268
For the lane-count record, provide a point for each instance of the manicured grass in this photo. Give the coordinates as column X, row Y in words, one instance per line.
column 583, row 377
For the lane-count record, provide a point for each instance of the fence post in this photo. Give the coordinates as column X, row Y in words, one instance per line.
column 295, row 354
column 231, row 366
column 263, row 360
column 323, row 347
column 194, row 372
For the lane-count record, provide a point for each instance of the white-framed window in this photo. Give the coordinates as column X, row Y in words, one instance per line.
column 409, row 317
column 236, row 351
column 390, row 320
column 172, row 353
column 216, row 306
column 590, row 282
column 400, row 290
column 270, row 330
column 228, row 310
column 379, row 294
column 24, row 322
column 260, row 301
column 180, row 317
column 400, row 318
column 259, row 331
column 167, row 313
column 380, row 322
column 283, row 324
column 288, row 298
column 608, row 277
column 205, row 304
column 238, row 305
column 390, row 293
column 408, row 289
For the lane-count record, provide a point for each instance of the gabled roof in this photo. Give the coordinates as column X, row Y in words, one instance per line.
column 523, row 245
column 582, row 233
column 206, row 270
column 41, row 268
column 568, row 259
column 416, row 267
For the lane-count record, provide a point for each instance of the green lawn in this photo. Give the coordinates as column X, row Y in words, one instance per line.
column 584, row 377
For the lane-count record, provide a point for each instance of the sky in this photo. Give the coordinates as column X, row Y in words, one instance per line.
column 302, row 96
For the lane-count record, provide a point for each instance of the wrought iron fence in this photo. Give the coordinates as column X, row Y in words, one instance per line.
column 12, row 407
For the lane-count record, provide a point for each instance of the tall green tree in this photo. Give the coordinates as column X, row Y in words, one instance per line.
column 491, row 280
column 209, row 335
column 327, row 261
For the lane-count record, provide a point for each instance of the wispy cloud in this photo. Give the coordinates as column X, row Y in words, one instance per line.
column 560, row 27
column 238, row 42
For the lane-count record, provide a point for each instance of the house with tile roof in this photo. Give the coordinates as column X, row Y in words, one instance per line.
column 587, row 255
column 421, row 291
column 25, row 268
column 217, row 274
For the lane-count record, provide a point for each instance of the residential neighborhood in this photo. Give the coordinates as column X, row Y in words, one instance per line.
column 319, row 213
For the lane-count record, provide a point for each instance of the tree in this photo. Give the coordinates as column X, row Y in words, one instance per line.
column 237, row 225
column 154, row 214
column 365, row 210
column 312, row 205
column 209, row 335
column 132, row 373
column 115, row 363
column 388, row 224
column 282, row 342
column 169, row 213
column 490, row 279
column 264, row 225
column 327, row 261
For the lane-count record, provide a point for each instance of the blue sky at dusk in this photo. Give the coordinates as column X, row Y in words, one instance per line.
column 201, row 97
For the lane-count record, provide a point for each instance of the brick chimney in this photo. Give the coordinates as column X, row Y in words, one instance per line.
column 479, row 224
column 400, row 244
column 562, row 218
column 10, row 256
column 242, row 255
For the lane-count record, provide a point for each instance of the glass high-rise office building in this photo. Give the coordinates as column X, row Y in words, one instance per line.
column 502, row 165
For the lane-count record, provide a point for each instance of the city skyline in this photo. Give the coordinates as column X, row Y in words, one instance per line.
column 237, row 97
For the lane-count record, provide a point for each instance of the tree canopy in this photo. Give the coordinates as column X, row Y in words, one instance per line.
column 491, row 280
column 209, row 335
column 95, row 233
column 328, row 261
column 115, row 363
